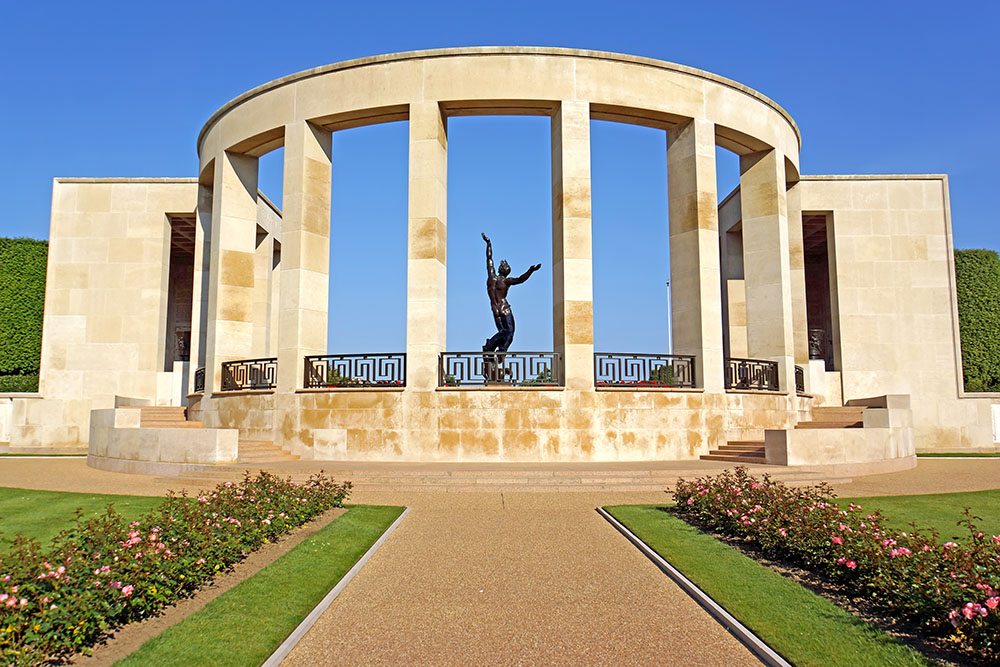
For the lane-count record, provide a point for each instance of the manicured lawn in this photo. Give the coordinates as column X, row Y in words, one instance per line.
column 940, row 511
column 970, row 455
column 247, row 623
column 803, row 627
column 42, row 514
column 4, row 456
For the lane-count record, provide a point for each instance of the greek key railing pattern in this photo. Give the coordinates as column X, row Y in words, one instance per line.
column 517, row 369
column 199, row 380
column 752, row 374
column 617, row 369
column 249, row 374
column 800, row 380
column 355, row 370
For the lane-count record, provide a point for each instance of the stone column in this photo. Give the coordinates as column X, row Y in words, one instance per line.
column 427, row 236
column 274, row 300
column 696, row 291
column 229, row 334
column 767, row 262
column 262, row 293
column 201, row 282
column 572, row 266
column 305, row 251
column 797, row 265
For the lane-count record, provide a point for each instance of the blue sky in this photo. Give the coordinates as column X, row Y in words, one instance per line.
column 122, row 89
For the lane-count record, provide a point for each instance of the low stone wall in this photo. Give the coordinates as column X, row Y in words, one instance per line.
column 30, row 424
column 887, row 436
column 115, row 435
column 497, row 424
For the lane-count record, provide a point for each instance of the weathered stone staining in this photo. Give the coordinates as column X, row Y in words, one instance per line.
column 850, row 278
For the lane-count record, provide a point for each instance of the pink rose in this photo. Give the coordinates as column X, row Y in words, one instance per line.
column 836, row 540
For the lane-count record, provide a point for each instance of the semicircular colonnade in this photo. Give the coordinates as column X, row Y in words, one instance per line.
column 424, row 420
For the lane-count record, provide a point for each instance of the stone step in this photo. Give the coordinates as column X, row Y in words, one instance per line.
column 170, row 424
column 830, row 424
column 263, row 458
column 753, row 453
column 759, row 460
column 743, row 447
column 850, row 414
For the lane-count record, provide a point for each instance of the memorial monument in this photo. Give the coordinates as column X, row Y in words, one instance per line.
column 865, row 259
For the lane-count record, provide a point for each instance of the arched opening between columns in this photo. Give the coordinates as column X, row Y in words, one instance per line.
column 632, row 337
column 499, row 183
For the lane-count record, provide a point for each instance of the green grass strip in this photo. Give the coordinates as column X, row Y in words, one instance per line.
column 803, row 627
column 247, row 623
column 940, row 511
column 12, row 456
column 959, row 455
column 42, row 514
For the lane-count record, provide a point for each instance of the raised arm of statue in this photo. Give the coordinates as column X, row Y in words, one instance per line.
column 490, row 271
column 524, row 276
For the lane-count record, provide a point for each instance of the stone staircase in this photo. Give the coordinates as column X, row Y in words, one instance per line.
column 165, row 417
column 738, row 451
column 752, row 451
column 849, row 416
column 256, row 452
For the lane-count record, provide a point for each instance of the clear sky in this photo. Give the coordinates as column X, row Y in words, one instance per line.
column 122, row 89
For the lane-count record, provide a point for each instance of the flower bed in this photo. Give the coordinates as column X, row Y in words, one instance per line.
column 945, row 588
column 58, row 600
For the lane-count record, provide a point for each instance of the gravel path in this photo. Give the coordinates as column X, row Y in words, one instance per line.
column 522, row 579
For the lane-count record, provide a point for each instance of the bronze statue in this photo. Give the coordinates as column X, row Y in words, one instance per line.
column 497, row 286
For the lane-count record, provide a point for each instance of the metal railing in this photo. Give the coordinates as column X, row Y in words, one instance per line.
column 619, row 369
column 249, row 374
column 355, row 370
column 751, row 374
column 517, row 369
column 800, row 380
column 199, row 381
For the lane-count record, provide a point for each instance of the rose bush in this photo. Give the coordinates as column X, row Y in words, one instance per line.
column 105, row 572
column 946, row 588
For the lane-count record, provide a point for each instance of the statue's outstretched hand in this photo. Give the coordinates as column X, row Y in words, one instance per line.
column 485, row 237
column 535, row 267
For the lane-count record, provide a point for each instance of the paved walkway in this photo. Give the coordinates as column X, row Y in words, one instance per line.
column 523, row 579
column 512, row 578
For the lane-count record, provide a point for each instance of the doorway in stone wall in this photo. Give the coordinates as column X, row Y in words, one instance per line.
column 180, row 291
column 820, row 277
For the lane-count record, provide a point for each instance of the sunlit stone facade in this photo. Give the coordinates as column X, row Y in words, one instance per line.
column 843, row 285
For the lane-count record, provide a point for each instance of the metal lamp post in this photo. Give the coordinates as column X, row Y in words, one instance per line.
column 670, row 323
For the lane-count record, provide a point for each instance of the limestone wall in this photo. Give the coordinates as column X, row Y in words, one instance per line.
column 116, row 437
column 473, row 424
column 895, row 295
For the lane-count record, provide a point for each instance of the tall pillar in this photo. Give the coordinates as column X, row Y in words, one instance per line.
column 262, row 293
column 572, row 266
column 201, row 282
column 797, row 264
column 305, row 251
column 229, row 335
column 696, row 291
column 427, row 236
column 766, row 263
column 274, row 299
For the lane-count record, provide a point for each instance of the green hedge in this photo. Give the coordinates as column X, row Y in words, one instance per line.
column 977, row 274
column 22, row 299
column 18, row 383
